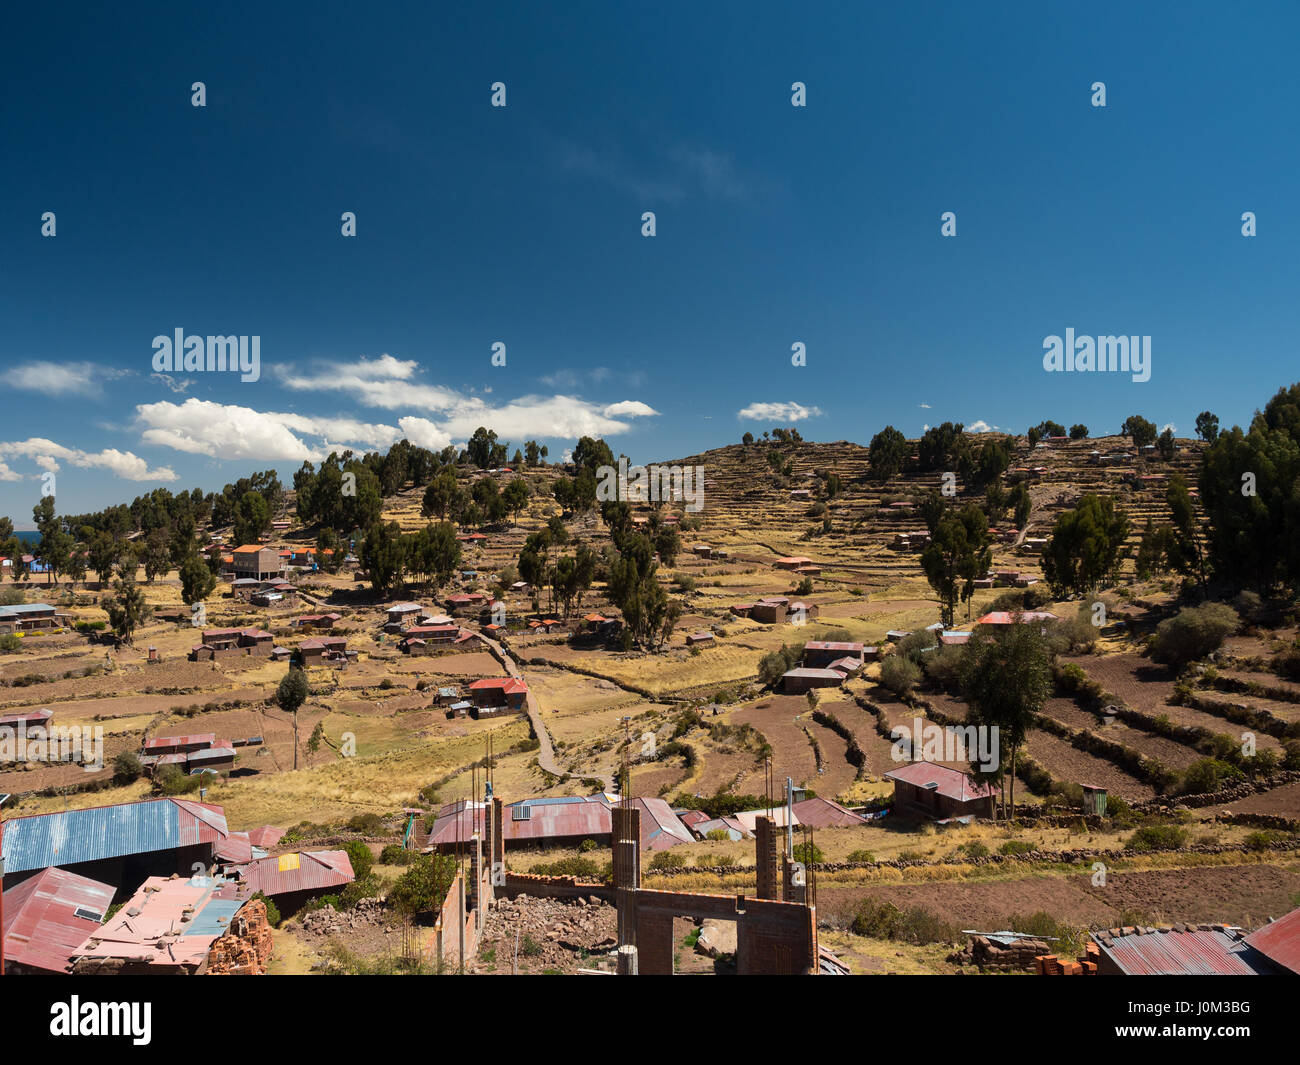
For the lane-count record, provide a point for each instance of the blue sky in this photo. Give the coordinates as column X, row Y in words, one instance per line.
column 522, row 225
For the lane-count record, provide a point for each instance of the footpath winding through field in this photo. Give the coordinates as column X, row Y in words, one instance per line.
column 546, row 750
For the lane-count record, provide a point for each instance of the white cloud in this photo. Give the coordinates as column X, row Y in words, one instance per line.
column 981, row 426
column 540, row 416
column 61, row 378
column 1171, row 427
column 6, row 474
column 227, row 431
column 423, row 433
column 384, row 382
column 629, row 408
column 924, row 406
column 778, row 412
column 391, row 384
column 48, row 455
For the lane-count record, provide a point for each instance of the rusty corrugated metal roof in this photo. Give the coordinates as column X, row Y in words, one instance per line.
column 1279, row 941
column 1199, row 951
column 296, row 871
column 951, row 783
column 42, row 927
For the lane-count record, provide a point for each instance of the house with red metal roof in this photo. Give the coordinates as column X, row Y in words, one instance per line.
column 1183, row 950
column 47, row 917
column 940, row 792
column 170, row 927
column 297, row 877
column 1006, row 617
column 1279, row 942
column 495, row 695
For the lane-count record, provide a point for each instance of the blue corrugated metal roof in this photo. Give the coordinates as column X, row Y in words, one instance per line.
column 71, row 836
column 214, row 919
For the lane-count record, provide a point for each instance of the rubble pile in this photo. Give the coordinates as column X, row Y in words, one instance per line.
column 551, row 933
column 328, row 921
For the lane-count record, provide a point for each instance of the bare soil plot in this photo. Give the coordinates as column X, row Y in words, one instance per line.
column 863, row 727
column 1066, row 763
column 1284, row 801
column 1245, row 895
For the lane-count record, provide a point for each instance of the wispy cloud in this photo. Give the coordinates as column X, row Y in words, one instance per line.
column 671, row 174
column 778, row 412
column 62, row 378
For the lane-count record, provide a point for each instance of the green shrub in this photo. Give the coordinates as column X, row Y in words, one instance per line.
column 1193, row 633
column 273, row 917
column 424, row 885
column 808, row 853
column 127, row 768
column 900, row 675
column 1015, row 846
column 361, row 857
column 396, row 854
column 669, row 859
column 1263, row 840
column 913, row 925
column 861, row 856
column 581, row 868
column 1157, row 837
column 366, row 825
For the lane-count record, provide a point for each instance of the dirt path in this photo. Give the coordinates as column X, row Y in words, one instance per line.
column 546, row 750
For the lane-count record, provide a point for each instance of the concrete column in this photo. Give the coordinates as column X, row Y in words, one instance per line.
column 627, row 961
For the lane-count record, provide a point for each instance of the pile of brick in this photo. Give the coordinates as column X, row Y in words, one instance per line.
column 245, row 950
column 1086, row 965
column 991, row 956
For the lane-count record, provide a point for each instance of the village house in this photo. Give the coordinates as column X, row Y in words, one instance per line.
column 119, row 845
column 820, row 653
column 497, row 695
column 399, row 615
column 28, row 617
column 939, row 792
column 425, row 639
column 1042, row 618
column 802, row 679
column 317, row 621
column 699, row 639
column 294, row 879
column 47, row 917
column 322, row 649
column 178, row 927
column 256, row 562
